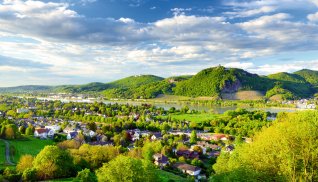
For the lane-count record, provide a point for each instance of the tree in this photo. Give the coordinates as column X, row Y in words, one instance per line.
column 198, row 149
column 85, row 175
column 286, row 151
column 93, row 157
column 22, row 129
column 193, row 137
column 24, row 163
column 29, row 175
column 29, row 131
column 11, row 131
column 53, row 162
column 124, row 168
column 150, row 148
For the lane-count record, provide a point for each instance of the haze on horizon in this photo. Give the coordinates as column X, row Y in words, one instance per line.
column 55, row 42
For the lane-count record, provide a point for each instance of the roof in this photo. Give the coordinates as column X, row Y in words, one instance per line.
column 41, row 130
column 157, row 135
column 73, row 134
column 187, row 167
column 161, row 158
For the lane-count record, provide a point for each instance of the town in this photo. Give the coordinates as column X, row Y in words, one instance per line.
column 183, row 147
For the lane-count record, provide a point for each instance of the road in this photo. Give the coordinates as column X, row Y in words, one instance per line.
column 8, row 160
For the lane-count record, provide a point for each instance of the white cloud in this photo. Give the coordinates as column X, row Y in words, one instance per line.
column 72, row 45
column 251, row 12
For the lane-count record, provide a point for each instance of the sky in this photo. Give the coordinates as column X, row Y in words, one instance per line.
column 54, row 42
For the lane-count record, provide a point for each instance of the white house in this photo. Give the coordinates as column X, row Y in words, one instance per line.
column 69, row 130
column 188, row 169
column 72, row 135
column 22, row 110
column 92, row 133
column 55, row 128
column 41, row 132
column 135, row 136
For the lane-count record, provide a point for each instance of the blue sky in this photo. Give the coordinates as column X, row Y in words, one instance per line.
column 80, row 41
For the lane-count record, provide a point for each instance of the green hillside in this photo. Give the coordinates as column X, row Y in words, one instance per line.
column 288, row 77
column 288, row 83
column 26, row 88
column 309, row 75
column 135, row 81
column 217, row 80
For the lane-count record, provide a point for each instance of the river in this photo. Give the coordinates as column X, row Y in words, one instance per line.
column 166, row 106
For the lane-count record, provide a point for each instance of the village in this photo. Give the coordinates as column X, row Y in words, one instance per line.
column 186, row 151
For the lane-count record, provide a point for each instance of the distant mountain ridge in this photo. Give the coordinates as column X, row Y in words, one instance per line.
column 210, row 82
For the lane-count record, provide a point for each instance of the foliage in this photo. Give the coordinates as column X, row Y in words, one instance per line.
column 309, row 75
column 24, row 163
column 124, row 168
column 85, row 176
column 278, row 90
column 53, row 162
column 213, row 81
column 286, row 151
column 29, row 175
column 93, row 157
column 150, row 148
column 193, row 137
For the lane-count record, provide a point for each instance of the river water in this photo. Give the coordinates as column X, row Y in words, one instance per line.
column 166, row 106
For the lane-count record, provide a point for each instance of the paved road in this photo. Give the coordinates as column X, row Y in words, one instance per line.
column 8, row 153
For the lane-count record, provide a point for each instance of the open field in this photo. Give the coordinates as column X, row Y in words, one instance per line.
column 62, row 180
column 28, row 145
column 2, row 153
column 194, row 117
column 166, row 176
column 243, row 95
column 164, row 98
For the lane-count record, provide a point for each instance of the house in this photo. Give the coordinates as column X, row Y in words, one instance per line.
column 91, row 133
column 55, row 128
column 161, row 160
column 213, row 154
column 188, row 169
column 22, row 110
column 205, row 136
column 188, row 154
column 69, row 130
column 72, row 135
column 156, row 136
column 217, row 137
column 205, row 145
column 135, row 136
column 229, row 148
column 41, row 132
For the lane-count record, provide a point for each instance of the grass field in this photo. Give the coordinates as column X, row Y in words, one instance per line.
column 62, row 180
column 243, row 95
column 28, row 145
column 194, row 117
column 163, row 98
column 166, row 176
column 2, row 153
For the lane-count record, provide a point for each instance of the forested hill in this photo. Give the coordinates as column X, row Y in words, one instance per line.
column 211, row 82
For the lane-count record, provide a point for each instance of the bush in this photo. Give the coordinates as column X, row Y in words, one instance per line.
column 29, row 175
column 11, row 175
column 85, row 175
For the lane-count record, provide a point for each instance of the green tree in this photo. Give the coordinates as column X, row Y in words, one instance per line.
column 85, row 176
column 29, row 131
column 29, row 175
column 24, row 163
column 123, row 169
column 286, row 151
column 193, row 137
column 53, row 162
